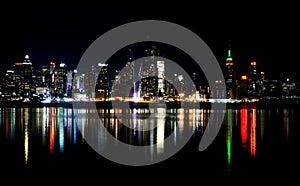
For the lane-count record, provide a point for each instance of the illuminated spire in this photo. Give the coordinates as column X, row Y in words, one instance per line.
column 26, row 60
column 229, row 58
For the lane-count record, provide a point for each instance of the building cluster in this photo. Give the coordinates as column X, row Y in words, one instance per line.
column 54, row 82
column 254, row 85
column 51, row 83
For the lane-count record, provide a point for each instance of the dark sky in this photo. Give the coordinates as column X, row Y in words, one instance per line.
column 62, row 31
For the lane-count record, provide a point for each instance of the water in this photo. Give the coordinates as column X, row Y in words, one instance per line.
column 252, row 143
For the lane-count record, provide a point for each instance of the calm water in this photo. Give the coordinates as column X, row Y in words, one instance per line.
column 251, row 143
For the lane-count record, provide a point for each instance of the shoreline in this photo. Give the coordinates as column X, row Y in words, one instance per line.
column 174, row 105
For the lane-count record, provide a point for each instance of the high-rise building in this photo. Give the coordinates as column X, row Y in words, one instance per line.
column 8, row 88
column 60, row 80
column 23, row 78
column 253, row 80
column 102, row 84
column 243, row 87
column 148, row 74
column 161, row 77
column 229, row 77
column 69, row 83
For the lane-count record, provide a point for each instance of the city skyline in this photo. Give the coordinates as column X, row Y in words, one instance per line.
column 55, row 82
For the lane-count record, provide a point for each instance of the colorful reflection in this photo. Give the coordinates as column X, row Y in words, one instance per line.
column 244, row 126
column 253, row 133
column 55, row 129
column 26, row 136
column 229, row 138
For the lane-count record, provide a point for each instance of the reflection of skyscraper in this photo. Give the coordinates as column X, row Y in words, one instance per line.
column 253, row 133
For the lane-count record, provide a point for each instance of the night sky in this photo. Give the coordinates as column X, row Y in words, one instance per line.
column 63, row 31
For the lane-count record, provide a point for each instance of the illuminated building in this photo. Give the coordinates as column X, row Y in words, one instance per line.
column 8, row 87
column 102, row 84
column 23, row 78
column 243, row 87
column 161, row 76
column 69, row 83
column 60, row 80
column 52, row 67
column 220, row 91
column 230, row 78
column 148, row 74
column 253, row 80
column 289, row 89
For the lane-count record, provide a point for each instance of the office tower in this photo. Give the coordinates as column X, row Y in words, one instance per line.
column 60, row 80
column 8, row 88
column 229, row 77
column 253, row 80
column 243, row 87
column 102, row 84
column 161, row 77
column 23, row 78
column 69, row 83
column 148, row 74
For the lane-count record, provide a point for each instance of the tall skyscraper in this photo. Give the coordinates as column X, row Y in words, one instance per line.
column 23, row 78
column 253, row 80
column 69, row 83
column 60, row 80
column 161, row 76
column 229, row 77
column 149, row 83
column 102, row 84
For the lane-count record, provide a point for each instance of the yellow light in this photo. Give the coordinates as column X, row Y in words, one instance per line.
column 244, row 77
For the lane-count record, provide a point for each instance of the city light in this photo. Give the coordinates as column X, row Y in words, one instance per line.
column 244, row 77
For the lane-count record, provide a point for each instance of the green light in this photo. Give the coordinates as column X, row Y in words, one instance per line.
column 229, row 58
column 228, row 137
column 229, row 152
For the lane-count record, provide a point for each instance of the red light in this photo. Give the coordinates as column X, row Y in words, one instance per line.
column 253, row 63
column 253, row 133
column 229, row 63
column 244, row 127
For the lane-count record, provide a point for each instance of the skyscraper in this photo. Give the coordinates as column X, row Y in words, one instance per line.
column 229, row 77
column 23, row 78
column 102, row 85
column 161, row 76
column 253, row 80
column 60, row 80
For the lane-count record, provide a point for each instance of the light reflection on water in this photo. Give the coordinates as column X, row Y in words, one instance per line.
column 54, row 129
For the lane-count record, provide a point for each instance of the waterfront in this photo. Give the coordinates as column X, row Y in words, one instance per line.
column 252, row 142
